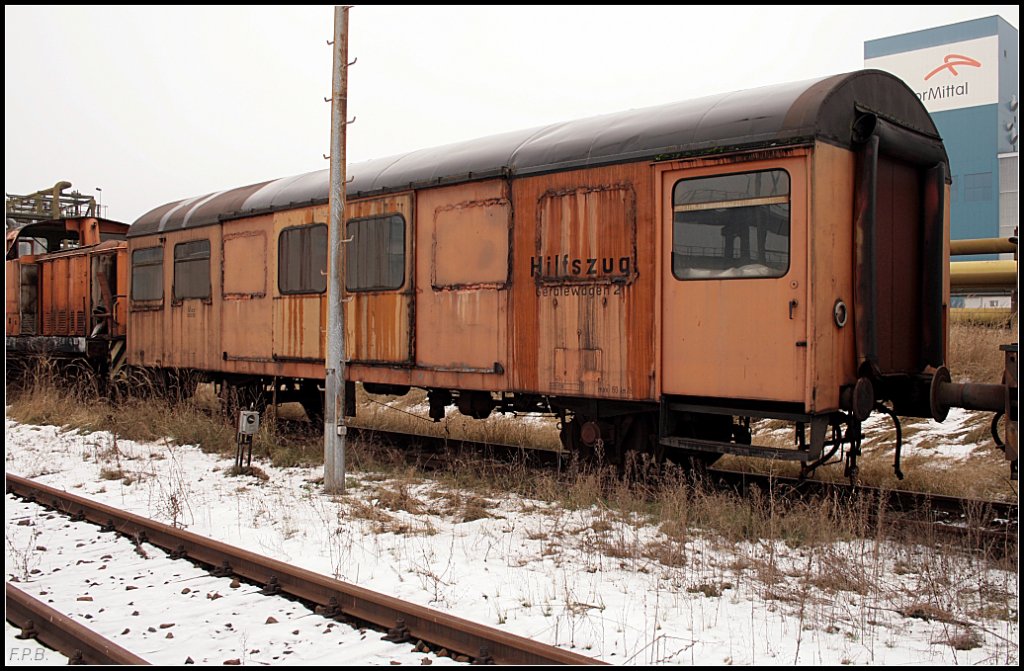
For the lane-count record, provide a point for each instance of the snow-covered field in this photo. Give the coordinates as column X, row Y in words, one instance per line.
column 595, row 581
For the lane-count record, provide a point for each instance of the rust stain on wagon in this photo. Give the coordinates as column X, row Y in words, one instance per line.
column 582, row 310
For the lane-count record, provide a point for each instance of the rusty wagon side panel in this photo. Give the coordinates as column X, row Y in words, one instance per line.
column 64, row 295
column 244, row 325
column 463, row 273
column 21, row 305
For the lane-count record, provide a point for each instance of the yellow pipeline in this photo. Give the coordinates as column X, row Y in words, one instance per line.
column 983, row 246
column 983, row 274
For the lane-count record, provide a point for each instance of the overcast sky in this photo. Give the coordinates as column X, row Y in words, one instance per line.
column 156, row 104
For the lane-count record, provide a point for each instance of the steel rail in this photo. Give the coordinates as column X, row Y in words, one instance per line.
column 404, row 621
column 78, row 643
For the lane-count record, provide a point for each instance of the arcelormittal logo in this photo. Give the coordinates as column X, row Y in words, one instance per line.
column 951, row 63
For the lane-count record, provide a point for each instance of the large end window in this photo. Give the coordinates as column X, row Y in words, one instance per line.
column 376, row 254
column 148, row 274
column 192, row 269
column 302, row 260
column 730, row 226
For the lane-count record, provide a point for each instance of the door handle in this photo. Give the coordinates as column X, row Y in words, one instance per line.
column 792, row 306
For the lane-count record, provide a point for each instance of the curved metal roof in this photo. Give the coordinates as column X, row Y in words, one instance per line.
column 769, row 116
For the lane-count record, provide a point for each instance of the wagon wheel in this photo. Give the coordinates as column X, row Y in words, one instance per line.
column 583, row 456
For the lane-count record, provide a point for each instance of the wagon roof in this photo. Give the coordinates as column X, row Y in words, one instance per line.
column 770, row 116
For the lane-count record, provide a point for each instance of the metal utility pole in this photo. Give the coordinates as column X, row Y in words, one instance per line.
column 334, row 393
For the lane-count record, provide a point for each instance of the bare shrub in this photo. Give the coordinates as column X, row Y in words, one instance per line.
column 25, row 556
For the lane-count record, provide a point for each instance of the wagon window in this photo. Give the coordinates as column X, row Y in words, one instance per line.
column 302, row 260
column 192, row 269
column 731, row 226
column 376, row 253
column 148, row 274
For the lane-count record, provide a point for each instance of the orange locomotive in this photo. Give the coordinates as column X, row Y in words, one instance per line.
column 66, row 273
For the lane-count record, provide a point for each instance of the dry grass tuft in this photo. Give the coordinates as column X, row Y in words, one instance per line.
column 398, row 498
column 669, row 552
column 974, row 354
column 710, row 589
column 465, row 507
column 410, row 414
column 112, row 473
column 927, row 612
column 832, row 580
column 365, row 510
column 964, row 639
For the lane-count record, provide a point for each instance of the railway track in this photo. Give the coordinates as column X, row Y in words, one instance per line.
column 78, row 643
column 336, row 599
column 985, row 525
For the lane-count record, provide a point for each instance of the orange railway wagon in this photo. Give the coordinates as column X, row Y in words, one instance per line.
column 658, row 277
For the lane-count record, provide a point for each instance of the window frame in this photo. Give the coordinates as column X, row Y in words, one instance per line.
column 733, row 203
column 353, row 252
column 160, row 273
column 178, row 263
column 281, row 240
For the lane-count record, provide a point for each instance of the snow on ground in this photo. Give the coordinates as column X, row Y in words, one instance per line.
column 954, row 431
column 169, row 611
column 588, row 580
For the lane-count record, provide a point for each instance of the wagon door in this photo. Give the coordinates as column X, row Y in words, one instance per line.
column 734, row 281
column 379, row 282
column 193, row 329
column 300, row 300
column 28, row 300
